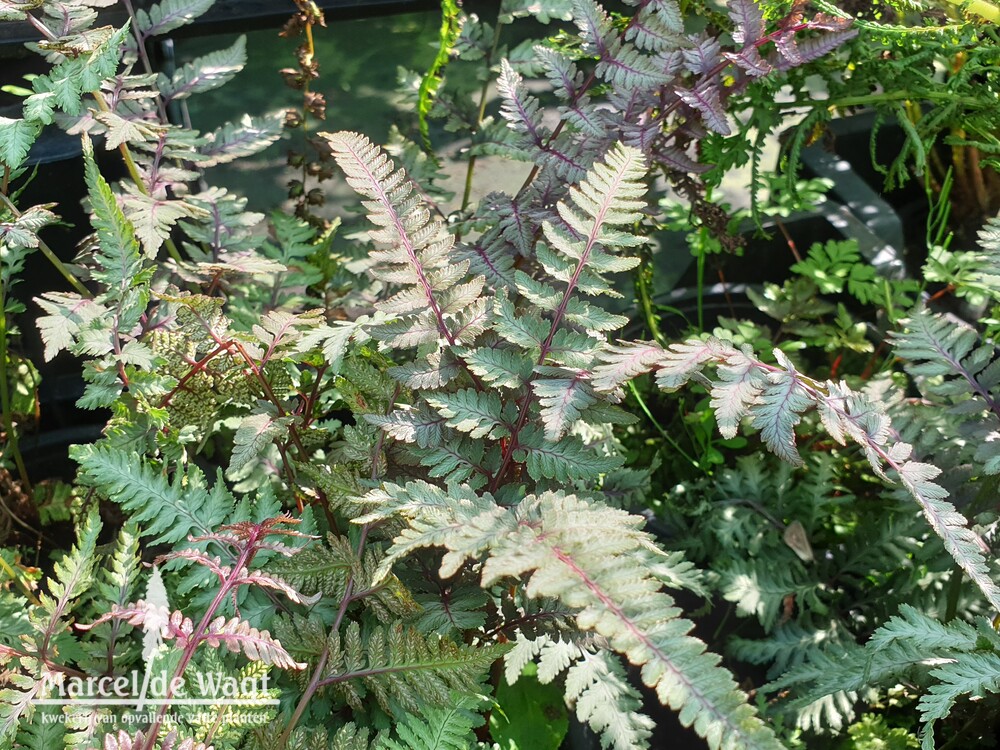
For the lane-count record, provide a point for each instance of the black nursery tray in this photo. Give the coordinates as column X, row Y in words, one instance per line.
column 235, row 15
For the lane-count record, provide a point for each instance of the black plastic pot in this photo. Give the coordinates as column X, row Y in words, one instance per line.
column 765, row 259
column 845, row 157
column 234, row 16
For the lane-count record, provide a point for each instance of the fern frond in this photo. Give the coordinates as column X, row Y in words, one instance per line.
column 657, row 27
column 603, row 697
column 844, row 413
column 118, row 251
column 563, row 395
column 760, row 590
column 420, row 426
column 438, row 728
column 565, row 461
column 239, row 637
column 72, row 577
column 474, row 412
column 502, row 368
column 232, row 141
column 16, row 138
column 786, row 647
column 205, row 73
column 117, row 586
column 934, row 346
column 521, row 110
column 400, row 666
column 969, row 674
column 607, row 201
column 418, row 250
column 168, row 511
column 595, row 560
column 254, row 435
column 491, row 257
column 168, row 15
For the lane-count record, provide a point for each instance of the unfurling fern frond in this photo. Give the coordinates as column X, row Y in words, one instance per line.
column 597, row 561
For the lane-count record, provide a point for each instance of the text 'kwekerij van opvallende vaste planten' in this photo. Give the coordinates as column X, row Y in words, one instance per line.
column 585, row 412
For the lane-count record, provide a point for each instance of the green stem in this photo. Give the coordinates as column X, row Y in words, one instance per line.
column 646, row 301
column 659, row 428
column 483, row 92
column 8, row 416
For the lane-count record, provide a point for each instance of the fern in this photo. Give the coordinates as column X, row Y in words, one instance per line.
column 844, row 413
column 956, row 658
column 236, row 140
column 478, row 373
column 205, row 73
column 419, row 250
column 72, row 576
column 169, row 15
column 595, row 686
column 935, row 347
column 397, row 666
column 439, row 729
column 167, row 511
column 16, row 137
column 594, row 559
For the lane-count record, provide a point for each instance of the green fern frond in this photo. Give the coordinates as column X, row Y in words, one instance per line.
column 970, row 674
column 72, row 578
column 438, row 728
column 168, row 511
column 16, row 137
column 759, row 588
column 319, row 568
column 397, row 666
column 118, row 250
column 787, row 646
